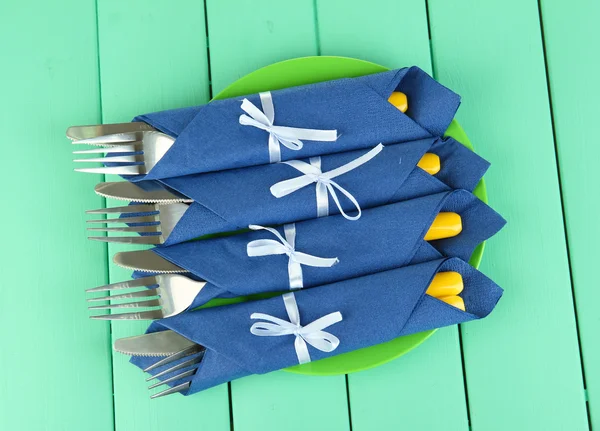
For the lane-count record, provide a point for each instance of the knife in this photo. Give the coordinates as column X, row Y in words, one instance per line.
column 146, row 261
column 163, row 343
column 126, row 191
column 76, row 133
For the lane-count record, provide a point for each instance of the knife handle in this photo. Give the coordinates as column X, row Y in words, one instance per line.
column 445, row 225
column 446, row 286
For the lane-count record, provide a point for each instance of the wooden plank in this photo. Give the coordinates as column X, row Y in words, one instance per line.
column 398, row 395
column 153, row 57
column 522, row 364
column 52, row 352
column 570, row 30
column 257, row 34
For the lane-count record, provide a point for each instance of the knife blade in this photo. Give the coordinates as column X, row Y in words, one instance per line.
column 163, row 343
column 86, row 132
column 126, row 191
column 146, row 261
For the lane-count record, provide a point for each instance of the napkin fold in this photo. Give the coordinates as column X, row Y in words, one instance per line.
column 384, row 237
column 211, row 138
column 375, row 308
column 231, row 200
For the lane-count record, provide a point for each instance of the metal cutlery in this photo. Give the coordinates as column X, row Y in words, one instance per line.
column 126, row 191
column 76, row 133
column 166, row 294
column 163, row 219
column 134, row 153
column 146, row 261
column 172, row 345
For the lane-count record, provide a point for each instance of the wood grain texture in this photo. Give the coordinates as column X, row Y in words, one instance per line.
column 398, row 395
column 51, row 352
column 522, row 363
column 571, row 36
column 258, row 34
column 153, row 57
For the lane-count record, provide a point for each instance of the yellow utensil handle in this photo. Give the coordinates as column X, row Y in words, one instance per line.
column 455, row 301
column 399, row 100
column 448, row 283
column 445, row 225
column 430, row 163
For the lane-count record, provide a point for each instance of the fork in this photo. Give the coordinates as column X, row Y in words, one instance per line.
column 197, row 353
column 168, row 294
column 134, row 153
column 164, row 218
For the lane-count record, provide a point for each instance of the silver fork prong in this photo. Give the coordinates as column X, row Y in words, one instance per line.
column 133, row 304
column 134, row 147
column 140, row 282
column 174, row 378
column 127, row 209
column 115, row 138
column 181, row 366
column 141, row 219
column 115, row 170
column 179, row 388
column 112, row 159
column 142, row 315
column 137, row 229
column 145, row 240
column 140, row 294
column 177, row 355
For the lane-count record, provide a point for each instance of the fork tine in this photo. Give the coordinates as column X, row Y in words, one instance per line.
column 143, row 315
column 116, row 170
column 113, row 159
column 141, row 219
column 133, row 304
column 141, row 294
column 147, row 240
column 177, row 355
column 179, row 388
column 140, row 282
column 174, row 378
column 184, row 364
column 132, row 148
column 115, row 138
column 138, row 229
column 125, row 210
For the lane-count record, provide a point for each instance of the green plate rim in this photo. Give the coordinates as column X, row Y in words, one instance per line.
column 302, row 71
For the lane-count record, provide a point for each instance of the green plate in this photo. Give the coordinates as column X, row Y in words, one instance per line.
column 309, row 70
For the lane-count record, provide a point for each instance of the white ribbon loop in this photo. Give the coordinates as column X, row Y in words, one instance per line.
column 289, row 137
column 312, row 333
column 267, row 247
column 313, row 174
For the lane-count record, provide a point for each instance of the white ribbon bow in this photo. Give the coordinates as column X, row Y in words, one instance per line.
column 313, row 174
column 312, row 333
column 289, row 137
column 266, row 247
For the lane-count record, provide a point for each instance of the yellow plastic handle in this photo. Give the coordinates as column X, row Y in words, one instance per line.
column 445, row 225
column 448, row 283
column 399, row 100
column 455, row 301
column 430, row 163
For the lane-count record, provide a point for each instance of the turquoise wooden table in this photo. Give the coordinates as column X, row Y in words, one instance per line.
column 527, row 72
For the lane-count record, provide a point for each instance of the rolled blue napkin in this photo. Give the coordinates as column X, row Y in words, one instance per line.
column 360, row 312
column 384, row 237
column 231, row 200
column 347, row 114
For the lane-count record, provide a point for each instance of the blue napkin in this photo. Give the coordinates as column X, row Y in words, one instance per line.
column 211, row 138
column 231, row 200
column 375, row 308
column 384, row 237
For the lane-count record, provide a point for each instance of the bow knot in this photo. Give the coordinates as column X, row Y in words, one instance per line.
column 324, row 182
column 312, row 333
column 266, row 247
column 289, row 137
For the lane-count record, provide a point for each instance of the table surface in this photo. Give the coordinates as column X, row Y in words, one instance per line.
column 526, row 72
